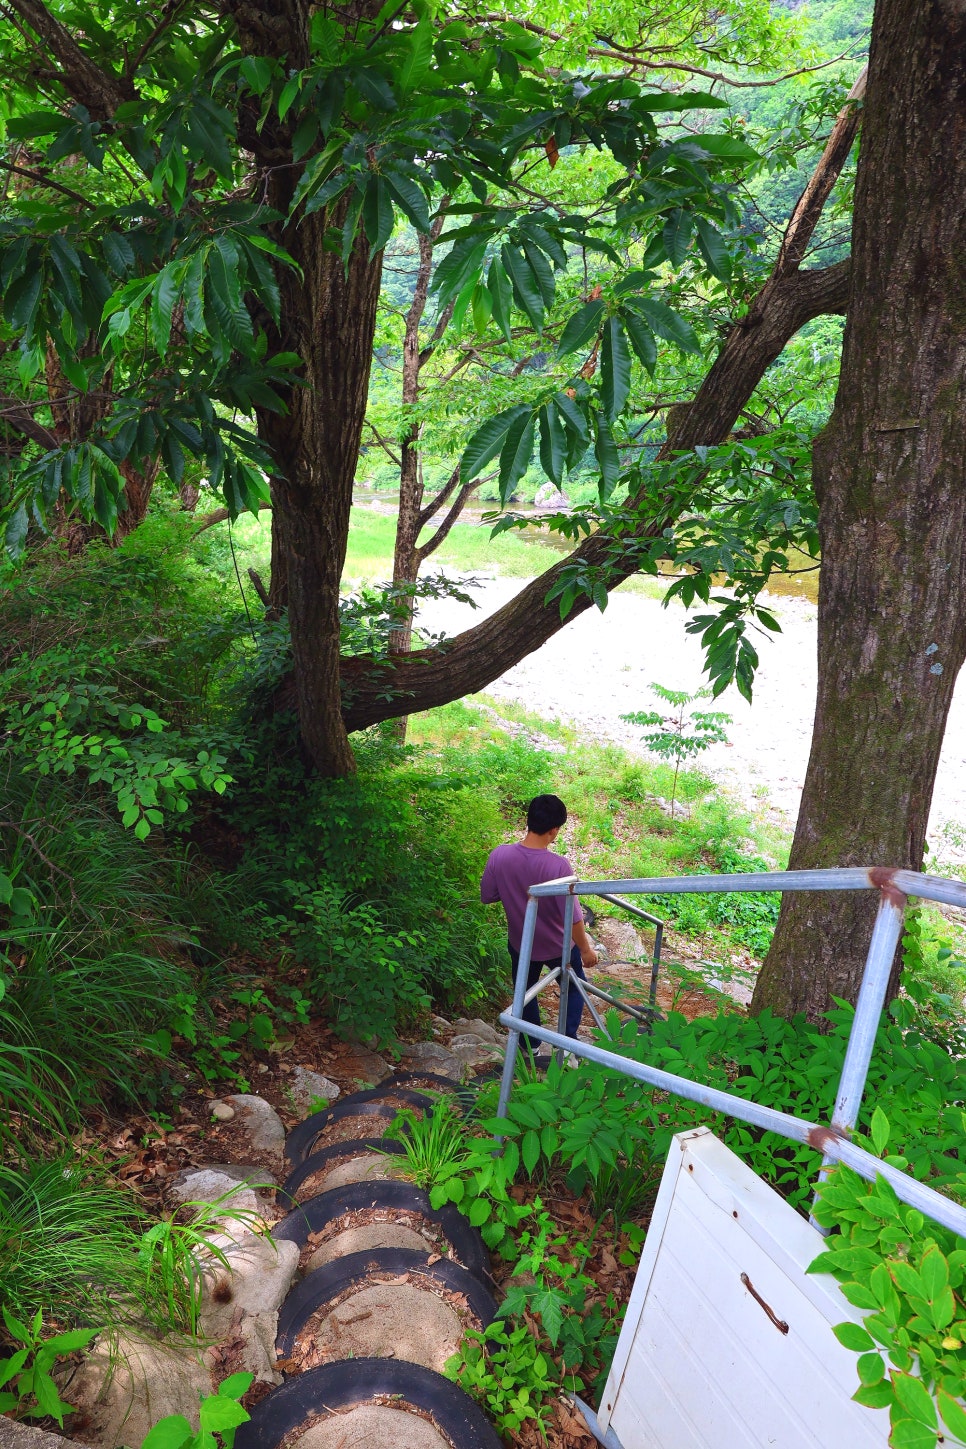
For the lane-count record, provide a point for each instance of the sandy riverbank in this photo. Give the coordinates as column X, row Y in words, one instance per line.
column 600, row 666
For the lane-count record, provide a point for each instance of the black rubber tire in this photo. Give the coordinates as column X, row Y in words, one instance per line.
column 332, row 1279
column 313, row 1215
column 301, row 1139
column 285, row 1196
column 342, row 1385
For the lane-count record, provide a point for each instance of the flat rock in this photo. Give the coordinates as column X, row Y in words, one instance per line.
column 389, row 1320
column 473, row 1051
column 365, row 1066
column 240, row 1301
column 364, row 1239
column 122, row 1392
column 310, row 1090
column 255, row 1279
column 372, row 1426
column 621, row 941
column 432, row 1057
column 26, row 1436
column 241, row 1187
column 474, row 1026
column 260, row 1122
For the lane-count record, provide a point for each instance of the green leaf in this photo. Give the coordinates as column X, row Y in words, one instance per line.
column 530, row 1150
column 167, row 290
column 169, row 1433
column 487, row 441
column 516, row 452
column 608, row 460
column 912, row 1434
column 934, row 1274
column 727, row 148
column 236, row 1385
column 409, row 198
column 871, row 1368
column 479, row 1212
column 713, row 250
column 953, row 1414
column 418, row 57
column 681, row 101
column 915, row 1398
column 641, row 339
column 377, row 214
column 48, row 1398
column 526, row 290
column 677, row 236
column 854, row 1337
column 581, row 328
column 879, row 1130
column 668, row 324
column 615, row 368
column 218, row 1414
column 553, row 443
column 875, row 1396
column 501, row 293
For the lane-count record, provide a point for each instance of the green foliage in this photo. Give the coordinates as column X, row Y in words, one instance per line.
column 909, row 1277
column 72, row 1245
column 173, row 1256
column 434, row 1145
column 160, row 285
column 219, row 1414
column 505, row 1370
column 27, row 1387
column 680, row 736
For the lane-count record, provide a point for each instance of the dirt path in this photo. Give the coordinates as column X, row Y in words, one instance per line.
column 600, row 666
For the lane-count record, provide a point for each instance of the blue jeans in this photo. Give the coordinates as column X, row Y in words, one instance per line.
column 575, row 1002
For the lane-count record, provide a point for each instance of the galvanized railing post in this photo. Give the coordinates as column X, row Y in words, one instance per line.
column 568, row 931
column 656, row 962
column 519, row 992
column 886, row 934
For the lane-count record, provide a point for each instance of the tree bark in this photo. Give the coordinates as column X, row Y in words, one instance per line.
column 891, row 483
column 328, row 316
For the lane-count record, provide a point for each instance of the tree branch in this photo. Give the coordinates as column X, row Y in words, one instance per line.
column 456, row 508
column 218, row 516
column 18, row 416
column 42, row 180
column 808, row 208
column 81, row 77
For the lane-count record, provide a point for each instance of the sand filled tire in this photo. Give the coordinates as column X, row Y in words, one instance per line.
column 338, row 1390
column 313, row 1215
column 382, row 1268
column 286, row 1196
column 301, row 1141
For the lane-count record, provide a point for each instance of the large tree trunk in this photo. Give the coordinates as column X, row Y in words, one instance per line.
column 891, row 482
column 329, row 318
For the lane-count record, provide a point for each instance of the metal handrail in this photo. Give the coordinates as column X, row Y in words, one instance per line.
column 658, row 938
column 832, row 1140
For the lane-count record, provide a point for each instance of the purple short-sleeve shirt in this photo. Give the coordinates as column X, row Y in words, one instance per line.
column 510, row 872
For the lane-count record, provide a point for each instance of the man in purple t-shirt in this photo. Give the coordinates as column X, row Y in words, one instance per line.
column 510, row 872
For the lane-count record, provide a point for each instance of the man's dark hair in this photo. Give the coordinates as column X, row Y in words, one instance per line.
column 545, row 812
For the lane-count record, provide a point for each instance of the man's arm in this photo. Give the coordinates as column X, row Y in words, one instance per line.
column 582, row 941
column 489, row 890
